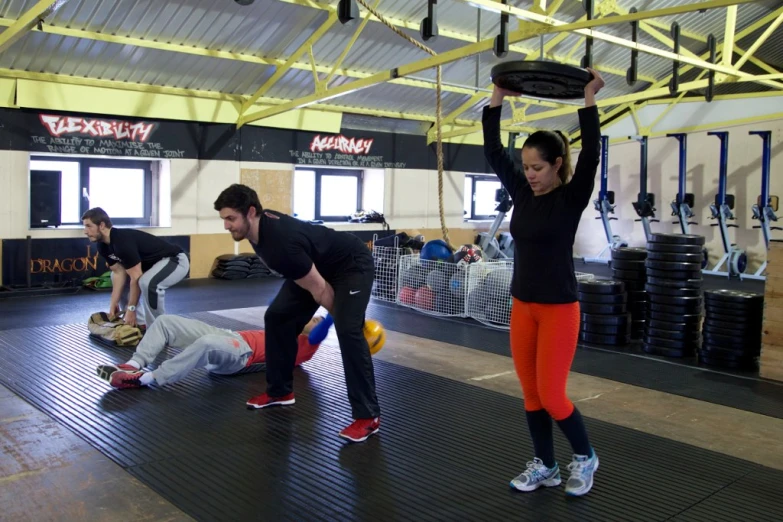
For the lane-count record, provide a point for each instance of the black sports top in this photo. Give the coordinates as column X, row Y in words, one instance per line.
column 544, row 227
column 291, row 246
column 129, row 247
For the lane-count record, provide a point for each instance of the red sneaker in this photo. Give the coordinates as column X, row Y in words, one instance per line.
column 264, row 400
column 105, row 370
column 361, row 429
column 126, row 379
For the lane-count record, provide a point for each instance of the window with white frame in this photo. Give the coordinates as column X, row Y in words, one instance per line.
column 480, row 197
column 335, row 195
column 63, row 188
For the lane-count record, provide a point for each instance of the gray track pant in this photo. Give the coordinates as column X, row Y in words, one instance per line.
column 203, row 346
column 153, row 284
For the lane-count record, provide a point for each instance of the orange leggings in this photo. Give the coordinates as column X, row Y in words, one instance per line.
column 543, row 343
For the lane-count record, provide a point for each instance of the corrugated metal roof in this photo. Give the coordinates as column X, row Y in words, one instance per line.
column 275, row 28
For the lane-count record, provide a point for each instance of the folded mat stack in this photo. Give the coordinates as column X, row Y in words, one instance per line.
column 242, row 266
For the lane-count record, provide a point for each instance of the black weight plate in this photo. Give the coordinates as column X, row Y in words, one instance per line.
column 606, row 319
column 605, row 329
column 621, row 264
column 722, row 307
column 668, row 325
column 733, row 343
column 677, row 335
column 543, row 79
column 708, row 359
column 674, row 274
column 674, row 310
column 678, row 239
column 735, row 326
column 634, row 275
column 737, row 319
column 601, row 285
column 602, row 298
column 603, row 309
column 671, row 266
column 673, row 292
column 734, row 296
column 674, row 249
column 631, row 284
column 724, row 353
column 754, row 308
column 614, row 340
column 672, row 257
column 637, row 295
column 629, row 254
column 674, row 344
column 667, row 352
column 694, row 319
column 732, row 330
column 676, row 300
column 675, row 283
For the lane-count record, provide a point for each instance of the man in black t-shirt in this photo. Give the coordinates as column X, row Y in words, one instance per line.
column 151, row 264
column 322, row 267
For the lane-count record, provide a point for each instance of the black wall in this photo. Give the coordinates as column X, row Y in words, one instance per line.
column 68, row 133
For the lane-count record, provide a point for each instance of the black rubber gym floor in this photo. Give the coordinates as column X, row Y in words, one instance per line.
column 446, row 450
column 629, row 365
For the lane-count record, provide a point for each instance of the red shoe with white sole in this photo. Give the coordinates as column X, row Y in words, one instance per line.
column 264, row 401
column 105, row 370
column 122, row 379
column 361, row 429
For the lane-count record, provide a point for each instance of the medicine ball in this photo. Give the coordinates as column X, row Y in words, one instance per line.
column 425, row 298
column 435, row 250
column 375, row 334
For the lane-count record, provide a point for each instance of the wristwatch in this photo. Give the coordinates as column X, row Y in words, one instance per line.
column 131, row 308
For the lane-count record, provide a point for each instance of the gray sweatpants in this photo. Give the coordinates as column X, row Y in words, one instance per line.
column 203, row 346
column 153, row 284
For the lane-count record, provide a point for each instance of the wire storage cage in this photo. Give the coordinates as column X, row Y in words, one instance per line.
column 387, row 265
column 488, row 299
column 432, row 287
column 489, row 292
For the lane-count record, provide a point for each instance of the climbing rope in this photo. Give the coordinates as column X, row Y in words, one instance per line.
column 438, row 114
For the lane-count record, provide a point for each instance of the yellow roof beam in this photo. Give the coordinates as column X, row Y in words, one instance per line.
column 703, row 39
column 738, row 96
column 480, row 95
column 247, row 58
column 347, row 49
column 669, row 42
column 487, row 44
column 728, row 38
column 664, row 81
column 209, row 95
column 281, row 70
column 454, row 35
column 625, row 99
column 27, row 21
column 548, row 24
column 759, row 41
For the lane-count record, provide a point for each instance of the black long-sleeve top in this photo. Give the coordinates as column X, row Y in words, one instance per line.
column 544, row 227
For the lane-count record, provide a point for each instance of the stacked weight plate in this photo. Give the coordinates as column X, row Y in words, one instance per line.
column 674, row 283
column 605, row 319
column 732, row 329
column 628, row 267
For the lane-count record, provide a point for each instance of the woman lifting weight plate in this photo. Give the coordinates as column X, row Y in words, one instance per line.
column 548, row 204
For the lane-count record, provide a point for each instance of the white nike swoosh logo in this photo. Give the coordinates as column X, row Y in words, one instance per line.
column 354, row 292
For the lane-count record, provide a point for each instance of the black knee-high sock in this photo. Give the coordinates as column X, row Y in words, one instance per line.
column 540, row 424
column 574, row 429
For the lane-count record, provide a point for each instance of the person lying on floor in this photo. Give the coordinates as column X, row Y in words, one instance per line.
column 219, row 351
